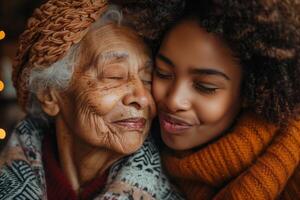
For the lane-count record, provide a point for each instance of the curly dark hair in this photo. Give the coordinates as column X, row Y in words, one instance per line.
column 265, row 36
column 150, row 17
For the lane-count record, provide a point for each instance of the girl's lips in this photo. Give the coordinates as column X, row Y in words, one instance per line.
column 173, row 125
column 134, row 124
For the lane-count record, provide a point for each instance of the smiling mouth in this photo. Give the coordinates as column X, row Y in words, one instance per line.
column 173, row 125
column 133, row 124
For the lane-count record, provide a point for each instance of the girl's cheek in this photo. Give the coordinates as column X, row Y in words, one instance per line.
column 213, row 109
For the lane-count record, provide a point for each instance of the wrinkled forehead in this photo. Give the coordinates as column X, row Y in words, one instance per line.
column 113, row 42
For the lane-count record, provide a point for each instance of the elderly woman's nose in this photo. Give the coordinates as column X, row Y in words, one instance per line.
column 138, row 95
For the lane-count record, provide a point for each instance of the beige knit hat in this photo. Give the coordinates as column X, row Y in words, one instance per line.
column 58, row 24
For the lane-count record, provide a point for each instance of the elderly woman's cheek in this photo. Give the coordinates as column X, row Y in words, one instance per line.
column 109, row 100
column 105, row 102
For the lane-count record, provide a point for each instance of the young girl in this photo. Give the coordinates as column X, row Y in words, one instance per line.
column 226, row 85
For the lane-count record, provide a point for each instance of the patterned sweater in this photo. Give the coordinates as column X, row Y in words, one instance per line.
column 22, row 176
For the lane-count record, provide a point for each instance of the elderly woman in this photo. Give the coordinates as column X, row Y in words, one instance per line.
column 84, row 78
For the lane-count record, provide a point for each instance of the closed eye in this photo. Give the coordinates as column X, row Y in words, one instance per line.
column 205, row 88
column 114, row 77
column 147, row 82
column 162, row 74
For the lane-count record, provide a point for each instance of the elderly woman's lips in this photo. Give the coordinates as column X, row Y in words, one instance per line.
column 132, row 123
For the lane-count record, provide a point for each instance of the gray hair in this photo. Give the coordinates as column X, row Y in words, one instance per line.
column 58, row 75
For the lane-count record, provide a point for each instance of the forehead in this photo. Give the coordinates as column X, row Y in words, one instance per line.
column 110, row 41
column 112, row 36
column 190, row 50
column 189, row 43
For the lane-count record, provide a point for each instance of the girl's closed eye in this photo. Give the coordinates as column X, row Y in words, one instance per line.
column 205, row 87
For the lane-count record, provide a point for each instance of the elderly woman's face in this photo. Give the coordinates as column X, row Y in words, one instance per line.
column 109, row 104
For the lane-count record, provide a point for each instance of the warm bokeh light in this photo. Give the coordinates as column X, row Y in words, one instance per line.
column 2, row 35
column 1, row 86
column 2, row 134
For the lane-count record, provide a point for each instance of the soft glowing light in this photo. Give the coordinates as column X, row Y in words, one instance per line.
column 2, row 134
column 2, row 35
column 1, row 86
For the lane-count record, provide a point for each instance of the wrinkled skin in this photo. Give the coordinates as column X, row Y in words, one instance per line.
column 111, row 84
column 196, row 86
column 106, row 112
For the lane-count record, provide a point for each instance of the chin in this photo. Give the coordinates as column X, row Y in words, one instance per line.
column 130, row 145
column 173, row 144
column 129, row 150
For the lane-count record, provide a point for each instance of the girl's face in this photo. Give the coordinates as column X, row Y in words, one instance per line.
column 196, row 86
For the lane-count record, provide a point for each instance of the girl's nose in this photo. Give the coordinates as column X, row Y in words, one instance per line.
column 178, row 98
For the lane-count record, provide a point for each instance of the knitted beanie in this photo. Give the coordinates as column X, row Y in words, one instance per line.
column 57, row 25
column 50, row 32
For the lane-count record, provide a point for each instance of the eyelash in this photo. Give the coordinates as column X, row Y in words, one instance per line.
column 161, row 75
column 146, row 82
column 114, row 78
column 202, row 88
column 198, row 86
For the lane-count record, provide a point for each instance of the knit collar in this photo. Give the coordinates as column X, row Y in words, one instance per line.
column 58, row 186
column 227, row 157
column 218, row 163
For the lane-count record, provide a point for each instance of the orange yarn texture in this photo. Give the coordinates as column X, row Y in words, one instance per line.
column 50, row 32
column 256, row 160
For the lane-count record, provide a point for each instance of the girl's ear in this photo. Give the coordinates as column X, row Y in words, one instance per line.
column 48, row 99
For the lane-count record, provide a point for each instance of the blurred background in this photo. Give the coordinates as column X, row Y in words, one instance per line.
column 13, row 17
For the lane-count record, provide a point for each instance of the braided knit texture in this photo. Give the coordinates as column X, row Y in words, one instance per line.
column 50, row 32
column 257, row 160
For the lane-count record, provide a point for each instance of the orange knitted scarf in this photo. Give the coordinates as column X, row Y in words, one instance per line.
column 256, row 160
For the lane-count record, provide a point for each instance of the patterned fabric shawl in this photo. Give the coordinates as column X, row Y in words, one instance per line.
column 138, row 176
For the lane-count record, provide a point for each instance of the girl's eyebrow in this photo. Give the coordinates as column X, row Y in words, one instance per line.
column 165, row 59
column 205, row 71
column 199, row 71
